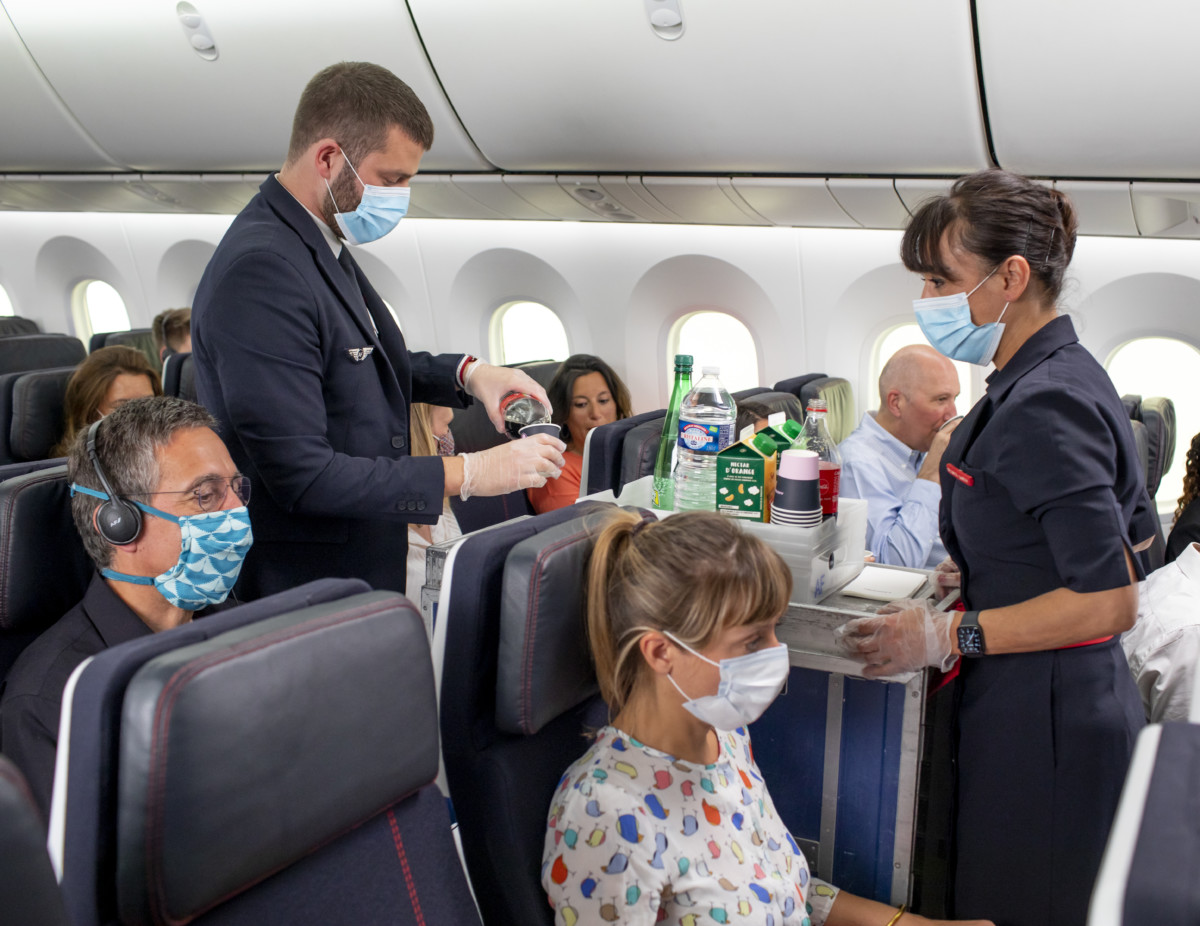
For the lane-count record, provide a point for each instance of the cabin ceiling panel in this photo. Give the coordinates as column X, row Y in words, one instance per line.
column 438, row 197
column 871, row 203
column 127, row 72
column 777, row 87
column 39, row 133
column 1081, row 89
column 800, row 202
column 702, row 200
column 1167, row 210
column 1101, row 207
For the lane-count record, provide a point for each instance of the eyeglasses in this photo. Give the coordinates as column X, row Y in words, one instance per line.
column 210, row 493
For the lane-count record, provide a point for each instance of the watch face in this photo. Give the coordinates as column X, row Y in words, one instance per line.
column 970, row 641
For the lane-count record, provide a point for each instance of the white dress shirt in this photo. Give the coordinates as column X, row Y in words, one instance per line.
column 902, row 510
column 1163, row 648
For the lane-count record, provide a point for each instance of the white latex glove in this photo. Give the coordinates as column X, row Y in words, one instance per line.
column 521, row 464
column 904, row 636
column 946, row 575
column 489, row 384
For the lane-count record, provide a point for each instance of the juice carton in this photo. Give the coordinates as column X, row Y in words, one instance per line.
column 746, row 478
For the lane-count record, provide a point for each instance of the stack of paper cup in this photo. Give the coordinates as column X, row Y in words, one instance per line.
column 797, row 490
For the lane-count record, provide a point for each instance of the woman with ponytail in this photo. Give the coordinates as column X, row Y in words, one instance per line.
column 1043, row 506
column 666, row 817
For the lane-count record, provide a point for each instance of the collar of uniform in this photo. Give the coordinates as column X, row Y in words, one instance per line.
column 1055, row 334
column 331, row 239
column 310, row 227
column 1189, row 563
column 899, row 451
column 112, row 617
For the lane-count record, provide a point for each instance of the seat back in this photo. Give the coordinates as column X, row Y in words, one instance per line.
column 1157, row 413
column 15, row 324
column 602, row 457
column 795, row 384
column 271, row 763
column 171, row 373
column 473, row 431
column 138, row 338
column 517, row 694
column 44, row 569
column 35, row 418
column 29, row 894
column 23, row 352
column 839, row 399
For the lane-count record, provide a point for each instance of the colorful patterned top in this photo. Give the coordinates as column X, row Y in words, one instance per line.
column 637, row 836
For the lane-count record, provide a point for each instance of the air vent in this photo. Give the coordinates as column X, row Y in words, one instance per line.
column 199, row 36
column 666, row 19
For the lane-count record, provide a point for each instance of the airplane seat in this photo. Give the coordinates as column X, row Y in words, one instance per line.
column 22, row 352
column 15, row 324
column 517, row 695
column 270, row 763
column 1157, row 416
column 29, row 893
column 187, row 380
column 839, row 399
column 44, row 569
column 37, row 420
column 602, row 460
column 1141, row 440
column 795, row 384
column 172, row 366
column 138, row 338
column 743, row 394
column 1147, row 875
column 473, row 431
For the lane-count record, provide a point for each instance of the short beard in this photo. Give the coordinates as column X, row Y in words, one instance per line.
column 345, row 198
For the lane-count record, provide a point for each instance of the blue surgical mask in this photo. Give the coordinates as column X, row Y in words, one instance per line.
column 946, row 324
column 213, row 546
column 379, row 211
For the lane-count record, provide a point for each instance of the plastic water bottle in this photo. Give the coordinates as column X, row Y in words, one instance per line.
column 664, row 463
column 520, row 409
column 815, row 436
column 707, row 418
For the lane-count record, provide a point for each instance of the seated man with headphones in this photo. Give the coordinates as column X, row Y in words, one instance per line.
column 162, row 512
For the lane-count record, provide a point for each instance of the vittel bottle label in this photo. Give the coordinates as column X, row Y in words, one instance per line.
column 705, row 438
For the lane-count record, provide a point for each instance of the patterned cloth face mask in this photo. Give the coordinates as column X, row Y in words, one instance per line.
column 748, row 685
column 445, row 443
column 379, row 211
column 213, row 547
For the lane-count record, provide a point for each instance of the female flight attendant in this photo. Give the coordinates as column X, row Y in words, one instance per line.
column 666, row 819
column 1043, row 506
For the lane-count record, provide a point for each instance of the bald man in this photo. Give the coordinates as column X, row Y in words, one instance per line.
column 891, row 459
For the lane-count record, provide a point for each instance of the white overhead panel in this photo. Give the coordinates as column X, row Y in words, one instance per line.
column 438, row 197
column 546, row 194
column 39, row 133
column 1101, row 206
column 1084, row 89
column 590, row 193
column 491, row 191
column 801, row 202
column 629, row 193
column 871, row 203
column 1167, row 210
column 702, row 200
column 213, row 85
column 774, row 86
column 914, row 192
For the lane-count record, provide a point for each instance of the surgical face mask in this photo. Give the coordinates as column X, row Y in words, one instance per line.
column 379, row 211
column 748, row 686
column 946, row 323
column 213, row 546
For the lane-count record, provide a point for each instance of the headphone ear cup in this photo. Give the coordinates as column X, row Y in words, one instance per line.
column 118, row 522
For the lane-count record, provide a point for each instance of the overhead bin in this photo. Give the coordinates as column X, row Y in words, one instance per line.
column 774, row 87
column 1092, row 89
column 135, row 81
column 37, row 133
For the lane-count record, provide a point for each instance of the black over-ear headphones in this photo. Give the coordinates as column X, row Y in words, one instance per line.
column 117, row 520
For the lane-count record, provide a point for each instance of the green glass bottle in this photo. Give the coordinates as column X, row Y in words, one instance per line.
column 664, row 463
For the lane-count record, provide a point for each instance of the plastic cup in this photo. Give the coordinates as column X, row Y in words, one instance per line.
column 540, row 428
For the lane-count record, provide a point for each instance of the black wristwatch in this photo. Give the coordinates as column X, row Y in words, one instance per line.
column 970, row 635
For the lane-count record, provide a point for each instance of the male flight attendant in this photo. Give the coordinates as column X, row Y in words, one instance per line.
column 309, row 375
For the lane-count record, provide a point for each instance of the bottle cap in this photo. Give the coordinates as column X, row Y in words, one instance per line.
column 818, row 405
column 683, row 360
column 710, row 371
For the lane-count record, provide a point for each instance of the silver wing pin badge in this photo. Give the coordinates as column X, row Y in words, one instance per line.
column 359, row 354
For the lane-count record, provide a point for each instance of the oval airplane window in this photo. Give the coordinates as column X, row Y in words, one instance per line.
column 6, row 306
column 902, row 336
column 1163, row 367
column 716, row 339
column 96, row 306
column 522, row 331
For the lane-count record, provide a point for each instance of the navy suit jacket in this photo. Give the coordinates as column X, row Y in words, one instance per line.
column 313, row 403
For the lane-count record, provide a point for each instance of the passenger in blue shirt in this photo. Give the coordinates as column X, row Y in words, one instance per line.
column 891, row 459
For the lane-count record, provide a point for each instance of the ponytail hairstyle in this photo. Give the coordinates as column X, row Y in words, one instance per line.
column 693, row 575
column 1191, row 478
column 994, row 215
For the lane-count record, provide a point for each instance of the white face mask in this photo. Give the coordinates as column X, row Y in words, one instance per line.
column 748, row 686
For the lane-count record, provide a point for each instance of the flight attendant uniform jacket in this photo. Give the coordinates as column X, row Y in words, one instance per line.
column 1043, row 490
column 313, row 402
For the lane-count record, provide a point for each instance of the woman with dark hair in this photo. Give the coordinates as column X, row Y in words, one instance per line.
column 1186, row 527
column 585, row 393
column 666, row 818
column 1043, row 506
column 108, row 378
